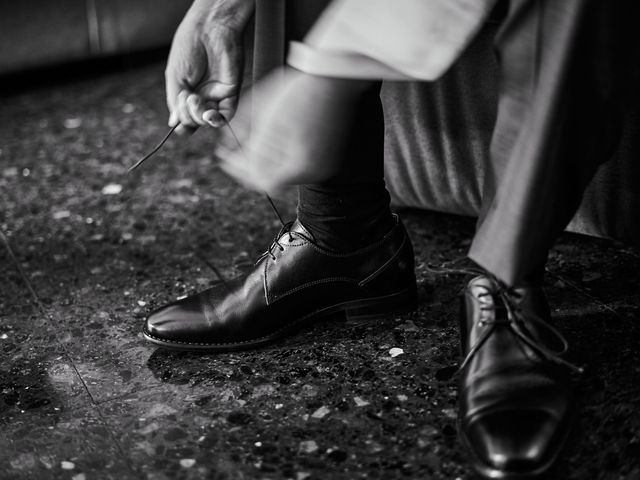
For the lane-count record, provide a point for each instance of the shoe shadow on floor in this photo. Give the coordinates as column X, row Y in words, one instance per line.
column 179, row 367
column 605, row 441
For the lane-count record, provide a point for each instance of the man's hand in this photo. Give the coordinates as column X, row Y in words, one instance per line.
column 204, row 70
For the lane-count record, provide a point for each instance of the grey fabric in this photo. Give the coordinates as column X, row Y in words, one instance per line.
column 437, row 148
column 268, row 37
column 437, row 134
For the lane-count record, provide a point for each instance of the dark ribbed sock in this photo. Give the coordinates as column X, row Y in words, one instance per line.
column 351, row 209
column 346, row 217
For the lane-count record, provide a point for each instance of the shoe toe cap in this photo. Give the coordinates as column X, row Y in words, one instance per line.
column 516, row 442
column 175, row 322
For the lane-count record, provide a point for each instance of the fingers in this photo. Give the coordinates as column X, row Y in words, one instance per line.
column 187, row 112
column 182, row 109
column 196, row 108
column 220, row 98
column 191, row 111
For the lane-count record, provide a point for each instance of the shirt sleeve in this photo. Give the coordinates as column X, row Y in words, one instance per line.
column 389, row 39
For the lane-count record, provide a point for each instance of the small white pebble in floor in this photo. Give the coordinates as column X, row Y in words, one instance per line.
column 142, row 303
column 402, row 398
column 395, row 351
column 66, row 465
column 4, row 336
column 80, row 476
column 112, row 189
column 72, row 123
column 61, row 214
column 321, row 412
column 450, row 412
column 308, row 446
column 360, row 402
column 187, row 462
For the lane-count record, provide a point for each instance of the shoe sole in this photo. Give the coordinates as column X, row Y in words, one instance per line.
column 364, row 309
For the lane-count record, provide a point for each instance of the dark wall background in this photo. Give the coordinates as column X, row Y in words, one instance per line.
column 44, row 33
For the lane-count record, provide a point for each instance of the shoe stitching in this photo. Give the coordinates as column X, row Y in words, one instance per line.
column 269, row 299
column 359, row 283
column 265, row 284
column 384, row 267
column 311, row 284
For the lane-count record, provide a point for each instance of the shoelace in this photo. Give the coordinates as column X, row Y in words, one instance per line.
column 516, row 322
column 146, row 157
column 286, row 227
column 154, row 151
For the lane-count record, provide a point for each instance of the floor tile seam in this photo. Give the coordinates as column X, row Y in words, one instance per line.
column 44, row 312
column 12, row 257
column 144, row 389
column 52, row 320
column 116, row 443
column 49, row 318
column 101, row 404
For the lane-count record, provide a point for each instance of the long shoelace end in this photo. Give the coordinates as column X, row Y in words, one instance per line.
column 153, row 152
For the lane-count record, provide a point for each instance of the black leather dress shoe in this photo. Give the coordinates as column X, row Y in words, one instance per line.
column 294, row 283
column 515, row 396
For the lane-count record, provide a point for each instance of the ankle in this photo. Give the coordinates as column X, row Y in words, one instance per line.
column 345, row 217
column 342, row 235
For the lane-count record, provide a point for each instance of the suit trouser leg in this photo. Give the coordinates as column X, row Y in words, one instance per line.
column 566, row 68
column 351, row 208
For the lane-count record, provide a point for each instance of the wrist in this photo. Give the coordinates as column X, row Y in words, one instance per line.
column 231, row 14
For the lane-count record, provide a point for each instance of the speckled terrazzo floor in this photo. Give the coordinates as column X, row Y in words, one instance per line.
column 82, row 396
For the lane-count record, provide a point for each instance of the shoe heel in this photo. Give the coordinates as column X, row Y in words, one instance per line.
column 396, row 303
